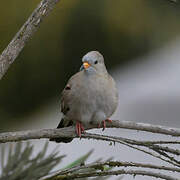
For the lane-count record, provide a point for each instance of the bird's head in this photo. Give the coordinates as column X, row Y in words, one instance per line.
column 93, row 61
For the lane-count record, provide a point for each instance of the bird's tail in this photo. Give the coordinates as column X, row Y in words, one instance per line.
column 63, row 139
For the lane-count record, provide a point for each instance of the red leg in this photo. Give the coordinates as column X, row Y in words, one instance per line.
column 79, row 128
column 104, row 123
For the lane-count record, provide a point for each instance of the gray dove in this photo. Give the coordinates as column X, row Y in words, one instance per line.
column 90, row 96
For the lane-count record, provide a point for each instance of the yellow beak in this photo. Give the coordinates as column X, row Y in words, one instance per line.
column 86, row 65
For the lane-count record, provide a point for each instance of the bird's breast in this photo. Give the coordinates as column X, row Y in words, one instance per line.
column 96, row 95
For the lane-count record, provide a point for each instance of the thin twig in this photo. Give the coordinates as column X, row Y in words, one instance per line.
column 167, row 156
column 151, row 144
column 165, row 149
column 25, row 33
column 117, row 172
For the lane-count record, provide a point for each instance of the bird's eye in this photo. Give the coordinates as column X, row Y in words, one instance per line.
column 95, row 62
column 67, row 87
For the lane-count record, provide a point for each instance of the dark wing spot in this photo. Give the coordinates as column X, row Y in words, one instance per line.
column 68, row 87
column 95, row 62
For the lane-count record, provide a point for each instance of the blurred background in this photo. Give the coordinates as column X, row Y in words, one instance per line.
column 140, row 41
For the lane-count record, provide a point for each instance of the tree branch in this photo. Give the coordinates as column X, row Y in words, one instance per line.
column 25, row 33
column 145, row 127
column 70, row 131
column 100, row 166
column 117, row 172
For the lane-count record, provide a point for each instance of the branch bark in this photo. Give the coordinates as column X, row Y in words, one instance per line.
column 25, row 33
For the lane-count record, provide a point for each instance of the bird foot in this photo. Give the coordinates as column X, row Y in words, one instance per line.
column 79, row 128
column 104, row 123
